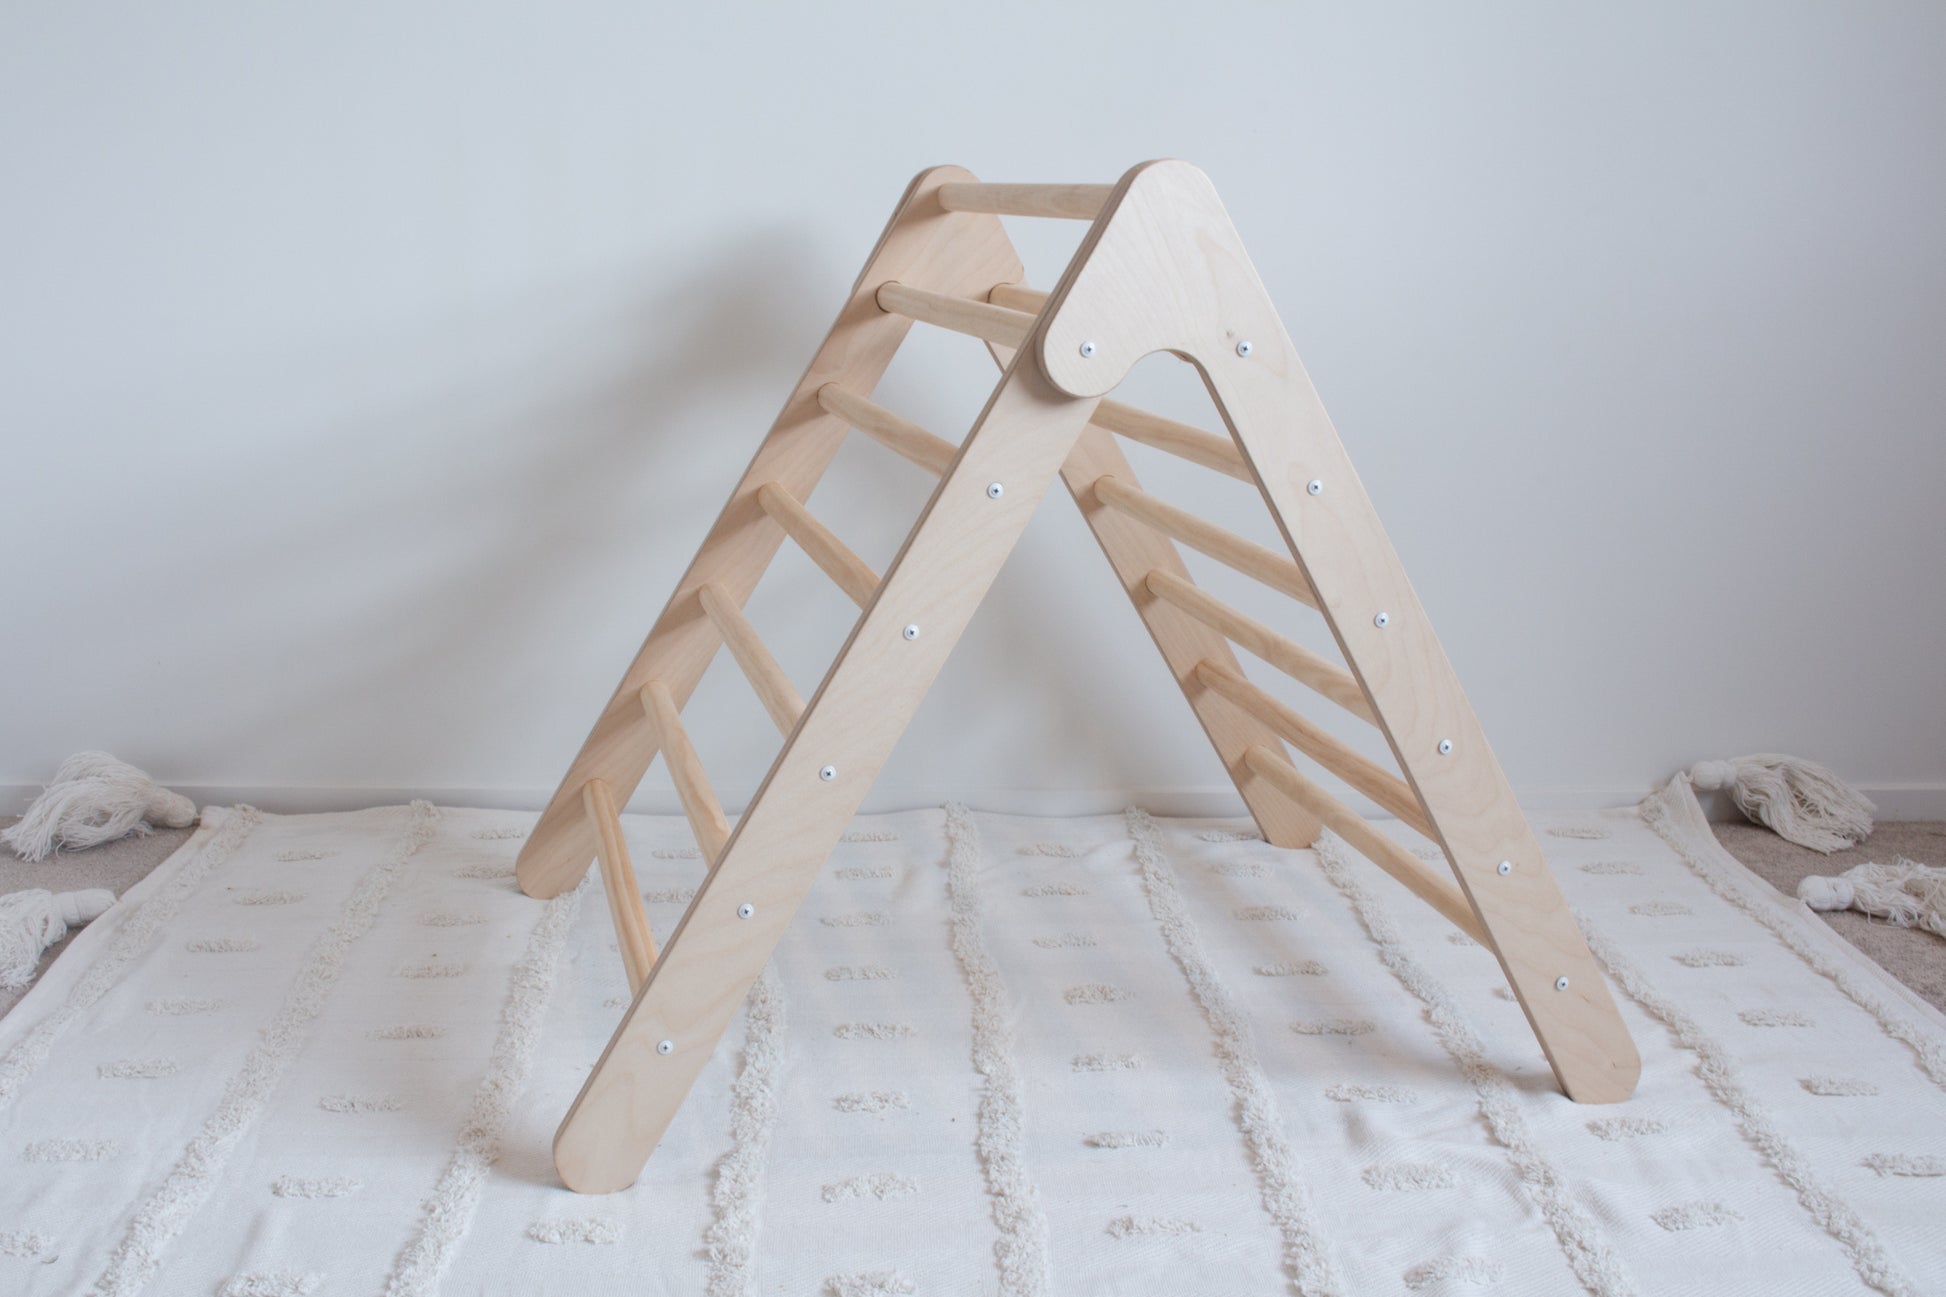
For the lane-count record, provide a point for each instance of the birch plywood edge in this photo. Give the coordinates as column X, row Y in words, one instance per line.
column 1166, row 271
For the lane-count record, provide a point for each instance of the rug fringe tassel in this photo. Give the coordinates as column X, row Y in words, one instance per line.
column 1799, row 800
column 1905, row 893
column 32, row 921
column 95, row 799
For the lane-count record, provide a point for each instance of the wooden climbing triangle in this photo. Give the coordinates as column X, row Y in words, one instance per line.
column 1160, row 268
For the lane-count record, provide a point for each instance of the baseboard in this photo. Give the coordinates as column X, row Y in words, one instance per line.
column 1895, row 802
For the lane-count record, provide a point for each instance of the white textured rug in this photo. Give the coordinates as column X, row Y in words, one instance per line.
column 326, row 1054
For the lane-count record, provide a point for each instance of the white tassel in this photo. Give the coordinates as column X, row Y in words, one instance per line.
column 1801, row 800
column 32, row 921
column 94, row 799
column 1905, row 893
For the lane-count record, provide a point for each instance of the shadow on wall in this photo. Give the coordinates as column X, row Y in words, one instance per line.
column 406, row 561
column 438, row 541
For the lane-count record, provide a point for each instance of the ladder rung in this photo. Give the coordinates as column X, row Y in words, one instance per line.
column 852, row 573
column 1294, row 660
column 686, row 771
column 1073, row 202
column 1018, row 297
column 931, row 453
column 1178, row 439
column 960, row 314
column 632, row 935
column 767, row 679
column 1377, row 783
column 1440, row 893
column 1246, row 556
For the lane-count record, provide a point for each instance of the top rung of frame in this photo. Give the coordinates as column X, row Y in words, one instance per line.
column 1069, row 202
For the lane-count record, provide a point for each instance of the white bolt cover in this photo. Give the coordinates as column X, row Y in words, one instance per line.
column 1506, row 867
column 665, row 1047
column 1244, row 348
column 995, row 490
column 1315, row 486
column 1383, row 620
column 1445, row 747
column 1087, row 350
column 1560, row 983
column 745, row 910
column 828, row 773
column 912, row 630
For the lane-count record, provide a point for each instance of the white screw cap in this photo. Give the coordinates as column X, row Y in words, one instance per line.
column 911, row 631
column 1560, row 983
column 995, row 490
column 1445, row 747
column 1506, row 867
column 1087, row 350
column 1383, row 620
column 1315, row 486
column 828, row 773
column 665, row 1047
column 745, row 910
column 1244, row 348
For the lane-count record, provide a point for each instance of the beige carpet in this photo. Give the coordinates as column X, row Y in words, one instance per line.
column 1916, row 958
column 117, row 866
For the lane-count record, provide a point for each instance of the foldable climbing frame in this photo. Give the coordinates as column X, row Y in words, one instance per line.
column 1160, row 269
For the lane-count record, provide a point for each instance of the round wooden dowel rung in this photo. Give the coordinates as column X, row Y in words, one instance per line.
column 1369, row 778
column 1441, row 893
column 1178, row 439
column 983, row 320
column 1226, row 547
column 632, row 934
column 1293, row 659
column 1068, row 202
column 772, row 687
column 698, row 799
column 934, row 454
column 853, row 574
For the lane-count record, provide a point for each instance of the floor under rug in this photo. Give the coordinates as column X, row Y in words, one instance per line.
column 326, row 1054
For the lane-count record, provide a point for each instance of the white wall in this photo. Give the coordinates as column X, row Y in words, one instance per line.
column 369, row 372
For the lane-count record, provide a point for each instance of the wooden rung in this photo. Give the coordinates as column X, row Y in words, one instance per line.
column 1018, row 297
column 1294, row 660
column 1073, row 202
column 780, row 697
column 998, row 324
column 852, row 573
column 927, row 451
column 686, row 771
column 1377, row 783
column 632, row 934
column 1178, row 439
column 1440, row 893
column 1246, row 556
